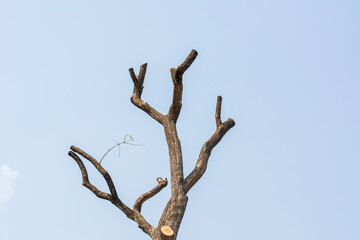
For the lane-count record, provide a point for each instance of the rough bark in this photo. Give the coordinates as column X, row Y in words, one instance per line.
column 170, row 220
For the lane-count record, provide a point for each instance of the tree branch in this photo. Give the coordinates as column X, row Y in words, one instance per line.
column 188, row 61
column 136, row 96
column 176, row 75
column 113, row 197
column 97, row 165
column 218, row 112
column 201, row 164
column 161, row 184
column 142, row 223
column 86, row 181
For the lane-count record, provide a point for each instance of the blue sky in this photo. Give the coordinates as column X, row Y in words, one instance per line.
column 288, row 72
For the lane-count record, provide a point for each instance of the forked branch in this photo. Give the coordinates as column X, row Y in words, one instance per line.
column 201, row 164
column 101, row 170
column 112, row 197
column 85, row 177
column 136, row 96
column 176, row 75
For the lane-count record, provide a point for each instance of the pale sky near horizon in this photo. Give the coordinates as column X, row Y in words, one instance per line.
column 288, row 72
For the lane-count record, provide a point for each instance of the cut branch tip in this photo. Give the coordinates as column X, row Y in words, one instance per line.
column 218, row 111
column 188, row 61
column 229, row 123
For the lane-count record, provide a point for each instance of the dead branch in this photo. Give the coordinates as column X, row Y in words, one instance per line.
column 112, row 197
column 201, row 164
column 136, row 97
column 86, row 182
column 101, row 170
column 176, row 75
column 161, row 184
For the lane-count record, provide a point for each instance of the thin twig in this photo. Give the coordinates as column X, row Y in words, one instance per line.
column 118, row 144
column 109, row 151
column 134, row 144
column 119, row 147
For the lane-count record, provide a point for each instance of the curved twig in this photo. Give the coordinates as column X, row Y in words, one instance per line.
column 118, row 144
column 161, row 184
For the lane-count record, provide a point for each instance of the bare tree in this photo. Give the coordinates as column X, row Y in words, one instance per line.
column 170, row 220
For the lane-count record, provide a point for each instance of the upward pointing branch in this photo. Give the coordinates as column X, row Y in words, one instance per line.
column 176, row 75
column 221, row 129
column 136, row 96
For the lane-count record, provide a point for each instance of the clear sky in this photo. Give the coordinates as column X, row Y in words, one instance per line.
column 288, row 72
